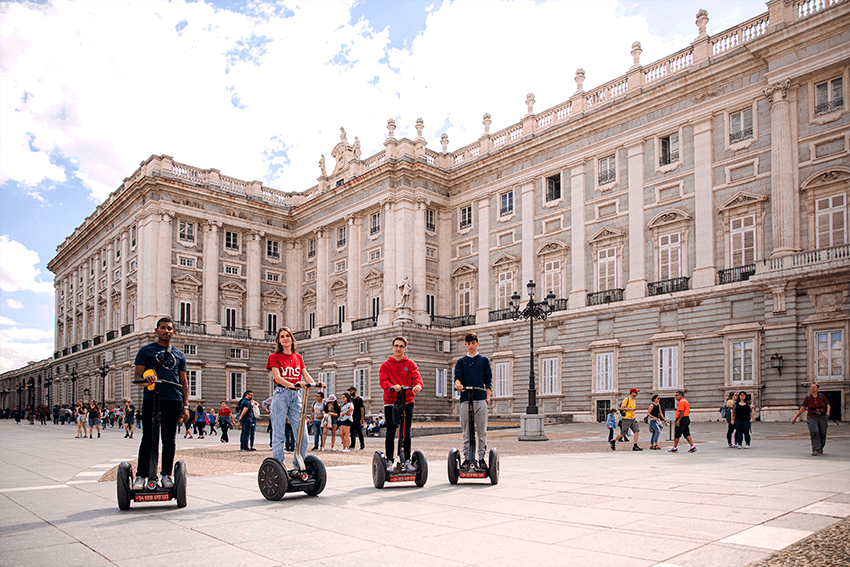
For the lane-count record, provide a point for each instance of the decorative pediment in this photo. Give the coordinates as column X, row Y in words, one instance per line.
column 309, row 295
column 742, row 199
column 669, row 216
column 464, row 269
column 232, row 287
column 504, row 259
column 552, row 247
column 186, row 283
column 373, row 276
column 131, row 283
column 606, row 233
column 338, row 285
column 273, row 294
column 835, row 174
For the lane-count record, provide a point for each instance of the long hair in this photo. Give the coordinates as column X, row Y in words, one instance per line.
column 746, row 397
column 277, row 339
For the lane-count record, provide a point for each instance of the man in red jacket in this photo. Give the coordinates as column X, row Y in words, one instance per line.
column 396, row 372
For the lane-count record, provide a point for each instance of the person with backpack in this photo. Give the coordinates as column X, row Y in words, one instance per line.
column 245, row 417
column 200, row 421
column 817, row 417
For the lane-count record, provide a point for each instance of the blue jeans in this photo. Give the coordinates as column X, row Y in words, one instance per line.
column 742, row 432
column 285, row 403
column 317, row 431
column 246, row 440
column 655, row 430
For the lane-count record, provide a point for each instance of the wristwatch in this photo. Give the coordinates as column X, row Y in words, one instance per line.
column 185, row 407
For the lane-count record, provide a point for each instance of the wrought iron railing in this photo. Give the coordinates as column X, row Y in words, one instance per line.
column 603, row 297
column 111, row 335
column 97, row 340
column 740, row 135
column 66, row 351
column 127, row 329
column 667, row 286
column 330, row 330
column 57, row 354
column 75, row 348
column 364, row 323
column 452, row 322
column 301, row 335
column 608, row 176
column 827, row 107
column 235, row 332
column 736, row 274
column 85, row 344
column 500, row 315
column 559, row 305
column 190, row 328
column 668, row 158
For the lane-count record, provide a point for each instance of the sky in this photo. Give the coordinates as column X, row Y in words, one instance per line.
column 259, row 90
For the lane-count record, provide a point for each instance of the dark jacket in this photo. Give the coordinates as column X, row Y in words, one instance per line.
column 474, row 371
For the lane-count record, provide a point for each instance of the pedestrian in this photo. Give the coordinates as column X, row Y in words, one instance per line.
column 329, row 422
column 211, row 421
column 742, row 419
column 267, row 405
column 245, row 417
column 94, row 418
column 611, row 423
column 627, row 408
column 129, row 418
column 395, row 372
column 817, row 417
column 224, row 422
column 317, row 415
column 80, row 414
column 289, row 376
column 200, row 421
column 357, row 420
column 656, row 421
column 728, row 409
column 56, row 414
column 473, row 371
column 346, row 417
column 169, row 364
column 683, row 423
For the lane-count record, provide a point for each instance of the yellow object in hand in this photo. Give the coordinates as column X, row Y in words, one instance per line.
column 150, row 373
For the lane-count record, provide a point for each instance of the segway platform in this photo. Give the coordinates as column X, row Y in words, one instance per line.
column 416, row 471
column 457, row 471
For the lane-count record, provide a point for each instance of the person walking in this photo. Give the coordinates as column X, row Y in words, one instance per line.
column 80, row 415
column 473, row 371
column 395, row 372
column 212, row 419
column 611, row 423
column 200, row 420
column 628, row 422
column 357, row 420
column 346, row 417
column 656, row 421
column 245, row 417
column 317, row 415
column 728, row 410
column 330, row 421
column 817, row 417
column 94, row 418
column 224, row 422
column 742, row 419
column 683, row 423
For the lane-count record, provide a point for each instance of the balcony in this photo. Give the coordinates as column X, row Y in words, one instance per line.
column 57, row 354
column 75, row 348
column 559, row 305
column 127, row 329
column 190, row 328
column 366, row 323
column 831, row 106
column 608, row 176
column 452, row 322
column 301, row 335
column 86, row 344
column 810, row 257
column 97, row 340
column 235, row 333
column 741, row 135
column 66, row 351
column 603, row 297
column 668, row 158
column 111, row 335
column 668, row 286
column 500, row 315
column 271, row 337
column 505, row 211
column 737, row 274
column 330, row 330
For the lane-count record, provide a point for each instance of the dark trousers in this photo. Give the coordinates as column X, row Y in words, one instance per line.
column 169, row 412
column 730, row 429
column 389, row 444
column 246, row 440
column 356, row 431
column 290, row 437
column 742, row 432
column 817, row 429
column 224, row 427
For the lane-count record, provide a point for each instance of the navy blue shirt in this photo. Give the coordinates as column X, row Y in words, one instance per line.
column 167, row 367
column 249, row 415
column 474, row 371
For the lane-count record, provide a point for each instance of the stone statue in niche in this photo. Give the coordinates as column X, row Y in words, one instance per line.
column 404, row 289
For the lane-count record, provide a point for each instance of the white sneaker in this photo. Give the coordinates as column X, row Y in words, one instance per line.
column 167, row 482
column 139, row 483
column 334, row 449
column 345, row 451
column 746, row 447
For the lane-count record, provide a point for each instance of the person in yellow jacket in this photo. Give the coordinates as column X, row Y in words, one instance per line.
column 628, row 422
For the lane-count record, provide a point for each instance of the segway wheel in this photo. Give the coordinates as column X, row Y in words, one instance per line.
column 316, row 469
column 421, row 464
column 125, row 473
column 379, row 469
column 272, row 479
column 454, row 466
column 180, row 479
column 493, row 466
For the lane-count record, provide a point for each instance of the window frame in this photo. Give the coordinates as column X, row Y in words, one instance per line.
column 502, row 384
column 506, row 203
column 465, row 218
column 194, row 382
column 273, row 249
column 817, row 214
column 241, row 377
column 607, row 177
column 441, row 382
column 186, row 231
column 231, row 241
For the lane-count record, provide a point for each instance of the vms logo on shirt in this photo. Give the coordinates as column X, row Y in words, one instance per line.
column 290, row 372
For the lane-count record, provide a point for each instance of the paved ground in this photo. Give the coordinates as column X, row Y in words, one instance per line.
column 569, row 501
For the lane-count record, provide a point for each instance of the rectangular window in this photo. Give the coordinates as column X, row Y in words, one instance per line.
column 272, row 277
column 186, row 231
column 185, row 312
column 830, row 345
column 607, row 170
column 668, row 367
column 273, row 249
column 311, row 275
column 375, row 255
column 117, row 275
column 133, row 237
column 311, row 248
column 504, row 289
column 191, row 350
column 329, row 380
column 376, row 306
column 743, row 241
column 271, row 323
column 831, row 221
column 669, row 256
column 466, row 217
column 375, row 223
column 431, row 252
column 464, row 298
column 340, row 236
column 102, row 286
column 186, row 262
column 364, row 347
column 340, row 314
column 669, row 150
column 361, row 381
column 553, row 188
column 430, row 220
column 605, row 372
column 231, row 240
column 829, row 97
column 311, row 320
column 607, row 266
column 442, row 382
column 507, row 203
column 502, row 380
column 549, row 376
column 552, row 278
column 231, row 270
column 742, row 362
column 239, row 353
column 235, row 385
column 341, row 266
column 230, row 318
column 741, row 125
column 430, row 303
column 194, row 378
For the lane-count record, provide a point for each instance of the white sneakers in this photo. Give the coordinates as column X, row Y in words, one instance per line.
column 167, row 481
column 345, row 451
column 139, row 483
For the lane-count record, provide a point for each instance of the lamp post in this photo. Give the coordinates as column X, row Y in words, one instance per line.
column 31, row 397
column 73, row 386
column 20, row 388
column 46, row 384
column 104, row 371
column 531, row 427
column 87, row 394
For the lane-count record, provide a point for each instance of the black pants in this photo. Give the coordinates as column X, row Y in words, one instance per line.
column 224, row 427
column 730, row 429
column 356, row 431
column 389, row 444
column 169, row 411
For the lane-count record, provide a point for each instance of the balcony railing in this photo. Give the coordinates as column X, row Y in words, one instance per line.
column 736, row 274
column 559, row 305
column 667, row 286
column 603, row 297
column 301, row 335
column 607, row 177
column 330, row 330
column 500, row 315
column 505, row 211
column 97, row 340
column 57, row 354
column 668, row 158
column 111, row 335
column 127, row 329
column 235, row 332
column 810, row 257
column 827, row 107
column 271, row 337
column 75, row 348
column 190, row 328
column 86, row 344
column 366, row 323
column 452, row 322
column 66, row 351
column 740, row 135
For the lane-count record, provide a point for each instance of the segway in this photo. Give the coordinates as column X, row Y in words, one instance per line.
column 153, row 491
column 415, row 470
column 473, row 469
column 310, row 476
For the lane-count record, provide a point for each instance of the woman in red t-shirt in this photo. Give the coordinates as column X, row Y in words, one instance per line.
column 288, row 375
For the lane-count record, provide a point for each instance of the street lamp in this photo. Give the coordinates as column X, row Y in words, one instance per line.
column 73, row 386
column 531, row 428
column 46, row 384
column 87, row 394
column 20, row 388
column 31, row 385
column 104, row 371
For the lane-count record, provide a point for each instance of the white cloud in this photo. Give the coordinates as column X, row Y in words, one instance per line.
column 17, row 268
column 14, row 354
column 12, row 304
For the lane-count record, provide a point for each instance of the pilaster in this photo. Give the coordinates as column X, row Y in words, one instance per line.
column 529, row 258
column 636, row 286
column 210, row 277
column 355, row 304
column 253, row 306
column 705, row 271
column 783, row 167
column 578, row 241
column 163, row 266
column 125, row 270
column 293, row 284
column 323, row 315
column 419, row 277
column 390, row 233
column 482, row 313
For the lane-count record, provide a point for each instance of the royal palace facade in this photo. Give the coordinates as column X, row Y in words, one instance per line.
column 689, row 217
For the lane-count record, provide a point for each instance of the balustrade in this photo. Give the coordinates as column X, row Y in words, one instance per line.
column 500, row 315
column 810, row 257
column 365, row 323
column 190, row 328
column 736, row 274
column 235, row 333
column 301, row 335
column 330, row 330
column 452, row 322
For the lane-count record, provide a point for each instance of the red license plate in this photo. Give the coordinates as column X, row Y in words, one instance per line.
column 471, row 475
column 150, row 497
column 402, row 478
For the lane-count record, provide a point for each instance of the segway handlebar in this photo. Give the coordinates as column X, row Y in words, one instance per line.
column 157, row 381
column 307, row 385
column 473, row 388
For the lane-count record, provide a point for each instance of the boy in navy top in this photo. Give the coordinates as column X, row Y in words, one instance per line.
column 473, row 370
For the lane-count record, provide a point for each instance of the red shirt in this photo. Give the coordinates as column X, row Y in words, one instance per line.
column 403, row 372
column 291, row 366
column 224, row 412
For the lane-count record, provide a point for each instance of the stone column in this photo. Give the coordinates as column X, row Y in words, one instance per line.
column 75, row 281
column 125, row 269
column 387, row 315
column 705, row 271
column 355, row 303
column 578, row 240
column 399, row 233
column 529, row 257
column 57, row 301
column 163, row 268
column 98, row 275
column 445, row 291
column 294, row 261
column 323, row 314
column 482, row 313
column 65, row 302
column 108, row 323
column 419, row 277
column 783, row 180
column 85, row 270
column 636, row 286
column 254, row 277
column 210, row 278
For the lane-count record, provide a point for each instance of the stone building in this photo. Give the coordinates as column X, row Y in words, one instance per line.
column 689, row 217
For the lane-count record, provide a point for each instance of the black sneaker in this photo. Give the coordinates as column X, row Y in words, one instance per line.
column 465, row 464
column 636, row 448
column 482, row 464
column 613, row 445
